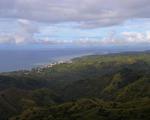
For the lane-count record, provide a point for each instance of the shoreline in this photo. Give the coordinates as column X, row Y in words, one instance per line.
column 63, row 60
column 50, row 63
column 67, row 59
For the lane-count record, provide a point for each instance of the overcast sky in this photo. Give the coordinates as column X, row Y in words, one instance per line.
column 100, row 22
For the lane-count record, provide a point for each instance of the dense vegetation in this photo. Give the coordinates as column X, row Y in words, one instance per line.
column 97, row 87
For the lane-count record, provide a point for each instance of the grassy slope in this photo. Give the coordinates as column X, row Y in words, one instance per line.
column 123, row 79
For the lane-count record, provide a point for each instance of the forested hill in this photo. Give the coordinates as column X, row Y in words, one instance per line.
column 96, row 87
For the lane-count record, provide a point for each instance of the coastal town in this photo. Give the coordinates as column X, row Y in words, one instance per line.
column 45, row 66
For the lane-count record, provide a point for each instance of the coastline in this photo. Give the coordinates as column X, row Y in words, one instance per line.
column 65, row 59
column 50, row 63
column 61, row 60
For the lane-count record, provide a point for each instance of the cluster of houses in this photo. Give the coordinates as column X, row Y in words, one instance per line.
column 39, row 69
column 57, row 63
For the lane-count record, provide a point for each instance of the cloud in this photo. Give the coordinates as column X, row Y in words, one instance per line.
column 135, row 37
column 127, row 38
column 130, row 38
column 24, row 34
column 86, row 13
column 6, row 39
column 26, row 31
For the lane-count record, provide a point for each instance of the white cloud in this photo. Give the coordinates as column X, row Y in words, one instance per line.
column 126, row 38
column 148, row 35
column 87, row 13
column 6, row 39
column 24, row 34
column 26, row 31
column 136, row 37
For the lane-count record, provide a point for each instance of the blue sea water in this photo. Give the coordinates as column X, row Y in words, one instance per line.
column 25, row 59
column 12, row 60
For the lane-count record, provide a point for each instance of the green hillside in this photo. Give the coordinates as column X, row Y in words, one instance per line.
column 97, row 87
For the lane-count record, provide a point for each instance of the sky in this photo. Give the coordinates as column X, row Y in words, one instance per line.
column 76, row 22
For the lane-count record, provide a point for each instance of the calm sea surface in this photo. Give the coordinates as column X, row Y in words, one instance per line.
column 11, row 60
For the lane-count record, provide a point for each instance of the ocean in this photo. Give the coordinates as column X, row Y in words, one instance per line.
column 26, row 59
column 12, row 60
